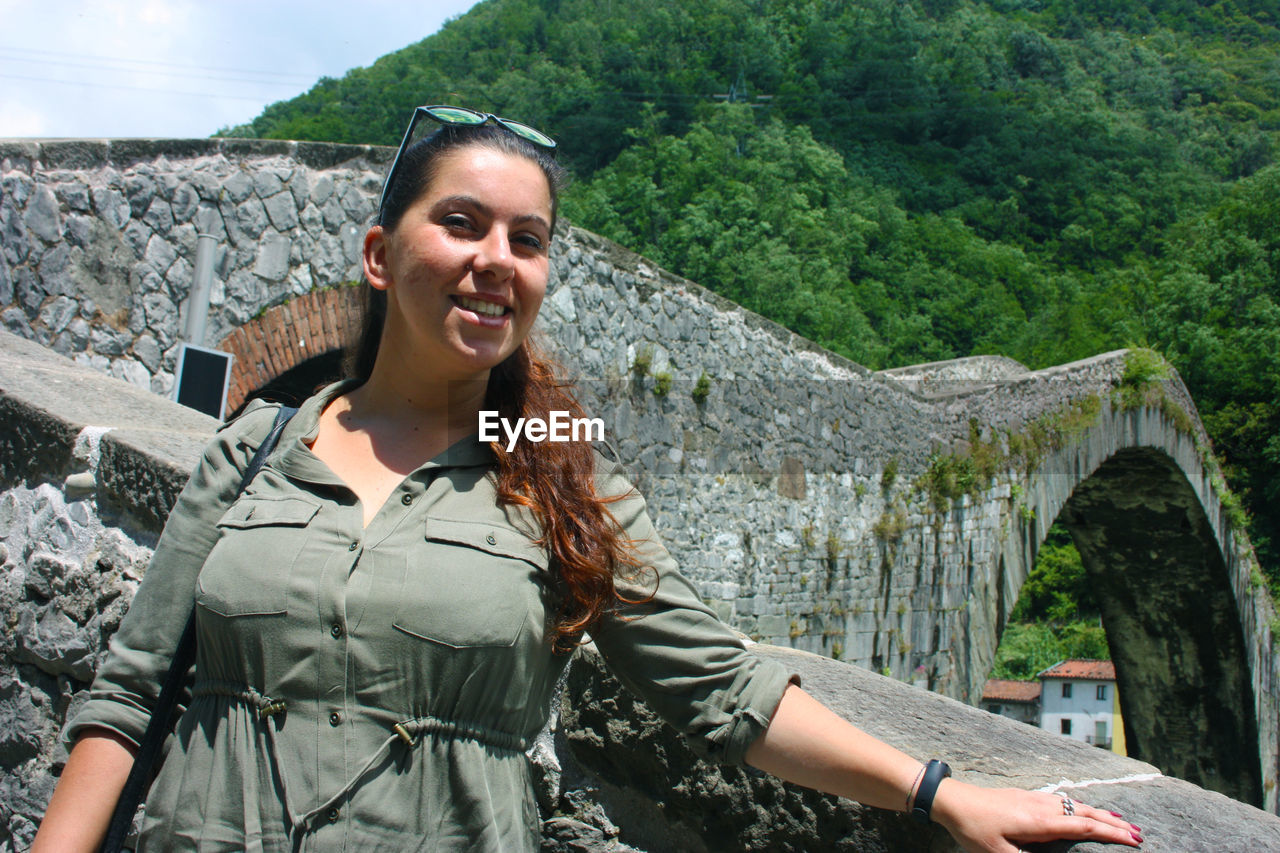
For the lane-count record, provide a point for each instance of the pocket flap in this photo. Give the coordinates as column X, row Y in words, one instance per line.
column 262, row 512
column 484, row 536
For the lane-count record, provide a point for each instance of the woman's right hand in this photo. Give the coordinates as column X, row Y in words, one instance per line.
column 1003, row 820
column 86, row 795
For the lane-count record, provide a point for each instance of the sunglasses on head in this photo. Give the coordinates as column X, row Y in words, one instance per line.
column 460, row 117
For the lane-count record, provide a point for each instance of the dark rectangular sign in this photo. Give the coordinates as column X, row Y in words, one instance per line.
column 202, row 377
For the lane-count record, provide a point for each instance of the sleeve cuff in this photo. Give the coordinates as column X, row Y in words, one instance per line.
column 728, row 742
column 130, row 722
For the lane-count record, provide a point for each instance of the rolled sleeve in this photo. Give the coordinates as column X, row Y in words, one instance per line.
column 127, row 684
column 671, row 649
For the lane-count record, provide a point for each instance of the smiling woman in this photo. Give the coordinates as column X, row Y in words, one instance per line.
column 383, row 612
column 464, row 268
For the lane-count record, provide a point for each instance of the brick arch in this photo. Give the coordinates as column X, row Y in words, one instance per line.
column 286, row 335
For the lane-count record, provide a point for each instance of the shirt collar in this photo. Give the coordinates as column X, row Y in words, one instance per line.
column 299, row 462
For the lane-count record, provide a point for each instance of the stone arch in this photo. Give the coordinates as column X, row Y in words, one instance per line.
column 286, row 336
column 1178, row 602
column 1171, row 619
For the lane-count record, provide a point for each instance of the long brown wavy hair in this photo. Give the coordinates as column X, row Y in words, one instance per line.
column 556, row 480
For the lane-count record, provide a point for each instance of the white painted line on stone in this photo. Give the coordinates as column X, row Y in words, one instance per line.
column 1085, row 783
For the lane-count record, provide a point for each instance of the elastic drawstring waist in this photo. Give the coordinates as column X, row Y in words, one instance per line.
column 410, row 730
column 407, row 732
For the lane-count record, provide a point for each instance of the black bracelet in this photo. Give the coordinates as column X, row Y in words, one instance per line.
column 934, row 772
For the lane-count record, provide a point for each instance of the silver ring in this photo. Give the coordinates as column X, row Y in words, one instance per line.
column 1068, row 804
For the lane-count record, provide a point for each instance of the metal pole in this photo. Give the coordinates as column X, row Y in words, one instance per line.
column 198, row 302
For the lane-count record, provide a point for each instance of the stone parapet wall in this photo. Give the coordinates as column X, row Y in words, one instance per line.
column 99, row 238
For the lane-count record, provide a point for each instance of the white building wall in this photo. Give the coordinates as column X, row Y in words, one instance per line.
column 1083, row 709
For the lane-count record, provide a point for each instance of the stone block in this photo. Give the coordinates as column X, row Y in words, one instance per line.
column 15, row 321
column 112, row 206
column 22, row 724
column 139, row 189
column 238, row 187
column 159, row 215
column 136, row 236
column 54, row 643
column 252, row 218
column 321, row 190
column 266, row 183
column 159, row 254
column 282, row 211
column 300, row 188
column 333, row 215
column 148, row 352
column 272, row 262
column 352, row 237
column 74, row 194
column 58, row 313
column 6, row 282
column 186, row 201
column 41, row 216
column 162, row 315
column 133, row 372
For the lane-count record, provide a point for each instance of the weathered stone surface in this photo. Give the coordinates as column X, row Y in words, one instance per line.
column 60, row 399
column 22, row 801
column 112, row 206
column 620, row 758
column 21, row 723
column 148, row 352
column 565, row 835
column 282, row 210
column 273, row 257
column 42, row 215
column 55, row 643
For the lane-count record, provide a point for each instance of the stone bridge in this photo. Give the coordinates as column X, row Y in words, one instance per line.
column 887, row 519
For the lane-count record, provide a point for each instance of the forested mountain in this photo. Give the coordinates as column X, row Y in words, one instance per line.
column 910, row 180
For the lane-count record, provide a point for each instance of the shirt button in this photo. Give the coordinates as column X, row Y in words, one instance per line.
column 336, row 630
column 353, row 546
column 335, row 719
column 490, row 539
column 332, row 815
column 406, row 500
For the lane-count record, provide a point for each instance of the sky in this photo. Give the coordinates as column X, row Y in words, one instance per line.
column 185, row 68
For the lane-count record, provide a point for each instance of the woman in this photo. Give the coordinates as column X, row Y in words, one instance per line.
column 383, row 612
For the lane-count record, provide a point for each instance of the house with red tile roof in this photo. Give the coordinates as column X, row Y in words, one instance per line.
column 1078, row 700
column 1017, row 700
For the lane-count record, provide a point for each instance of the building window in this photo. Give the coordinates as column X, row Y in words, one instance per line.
column 1102, row 692
column 1064, row 724
column 1066, row 690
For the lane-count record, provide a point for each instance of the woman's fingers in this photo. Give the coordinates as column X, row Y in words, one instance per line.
column 1087, row 813
column 1081, row 821
column 1007, row 820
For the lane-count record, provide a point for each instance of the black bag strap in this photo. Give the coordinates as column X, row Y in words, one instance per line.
column 144, row 762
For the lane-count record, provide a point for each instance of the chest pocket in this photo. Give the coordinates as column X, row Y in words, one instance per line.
column 477, row 586
column 247, row 572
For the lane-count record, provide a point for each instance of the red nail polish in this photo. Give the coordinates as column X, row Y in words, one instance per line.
column 1136, row 837
column 1117, row 814
column 1136, row 828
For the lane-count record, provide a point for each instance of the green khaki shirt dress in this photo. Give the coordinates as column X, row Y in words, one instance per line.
column 368, row 689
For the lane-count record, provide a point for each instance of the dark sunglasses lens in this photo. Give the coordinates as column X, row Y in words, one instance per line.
column 456, row 115
column 532, row 134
